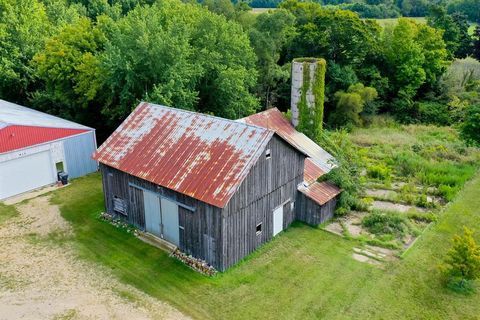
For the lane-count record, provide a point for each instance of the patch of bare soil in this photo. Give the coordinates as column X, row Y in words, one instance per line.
column 41, row 279
column 386, row 205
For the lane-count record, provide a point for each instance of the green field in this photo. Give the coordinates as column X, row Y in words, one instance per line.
column 306, row 273
column 392, row 21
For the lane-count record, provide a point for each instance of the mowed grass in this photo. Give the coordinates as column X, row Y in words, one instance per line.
column 7, row 212
column 305, row 273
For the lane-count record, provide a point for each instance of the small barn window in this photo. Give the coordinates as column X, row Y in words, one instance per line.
column 259, row 228
column 268, row 154
column 119, row 205
column 292, row 205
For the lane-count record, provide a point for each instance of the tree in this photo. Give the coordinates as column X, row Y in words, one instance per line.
column 181, row 55
column 339, row 36
column 350, row 104
column 465, row 47
column 269, row 35
column 438, row 18
column 415, row 55
column 476, row 46
column 69, row 70
column 24, row 26
column 471, row 8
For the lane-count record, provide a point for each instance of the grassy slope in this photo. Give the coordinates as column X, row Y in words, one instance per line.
column 304, row 273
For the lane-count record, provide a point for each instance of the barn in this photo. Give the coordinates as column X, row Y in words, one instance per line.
column 215, row 188
column 34, row 146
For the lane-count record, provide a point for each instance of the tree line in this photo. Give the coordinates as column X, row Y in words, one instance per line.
column 92, row 61
column 391, row 8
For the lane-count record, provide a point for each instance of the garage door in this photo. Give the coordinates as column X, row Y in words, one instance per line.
column 25, row 174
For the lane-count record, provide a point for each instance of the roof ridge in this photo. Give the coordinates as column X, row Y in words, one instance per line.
column 11, row 106
column 207, row 115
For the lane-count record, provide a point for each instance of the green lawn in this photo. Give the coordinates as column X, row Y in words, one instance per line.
column 305, row 273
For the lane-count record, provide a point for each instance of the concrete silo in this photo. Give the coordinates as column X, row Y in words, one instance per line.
column 307, row 93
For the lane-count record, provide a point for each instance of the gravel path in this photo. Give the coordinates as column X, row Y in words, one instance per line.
column 42, row 279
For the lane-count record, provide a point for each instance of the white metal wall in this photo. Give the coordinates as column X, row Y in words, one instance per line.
column 26, row 173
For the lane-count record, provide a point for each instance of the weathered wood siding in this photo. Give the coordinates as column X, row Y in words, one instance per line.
column 270, row 183
column 200, row 230
column 310, row 212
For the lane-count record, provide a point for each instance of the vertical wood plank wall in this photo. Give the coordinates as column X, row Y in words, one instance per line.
column 310, row 212
column 270, row 183
column 200, row 229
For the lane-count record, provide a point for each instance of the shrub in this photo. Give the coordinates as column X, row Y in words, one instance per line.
column 379, row 171
column 462, row 262
column 422, row 217
column 407, row 163
column 434, row 113
column 470, row 129
column 347, row 174
column 386, row 223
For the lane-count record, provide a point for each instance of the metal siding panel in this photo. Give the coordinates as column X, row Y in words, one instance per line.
column 78, row 154
column 26, row 173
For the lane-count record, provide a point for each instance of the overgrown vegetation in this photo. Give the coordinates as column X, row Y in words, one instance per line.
column 310, row 120
column 463, row 263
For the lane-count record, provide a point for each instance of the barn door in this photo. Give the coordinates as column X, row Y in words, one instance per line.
column 170, row 224
column 152, row 213
column 277, row 220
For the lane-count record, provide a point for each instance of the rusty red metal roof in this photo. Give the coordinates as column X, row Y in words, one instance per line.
column 202, row 156
column 311, row 171
column 274, row 120
column 14, row 137
column 320, row 192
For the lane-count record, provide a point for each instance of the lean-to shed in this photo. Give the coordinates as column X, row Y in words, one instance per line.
column 215, row 188
column 35, row 145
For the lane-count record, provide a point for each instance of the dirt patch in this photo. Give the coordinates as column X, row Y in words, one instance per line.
column 335, row 228
column 44, row 280
column 386, row 205
column 384, row 193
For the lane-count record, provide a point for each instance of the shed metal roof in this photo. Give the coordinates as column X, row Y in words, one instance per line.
column 311, row 171
column 14, row 114
column 17, row 137
column 199, row 155
column 274, row 120
column 320, row 192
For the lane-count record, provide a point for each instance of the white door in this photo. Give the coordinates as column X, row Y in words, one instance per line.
column 277, row 220
column 170, row 222
column 26, row 173
column 152, row 213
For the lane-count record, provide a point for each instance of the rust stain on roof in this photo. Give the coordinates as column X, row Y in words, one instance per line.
column 199, row 155
column 320, row 192
column 274, row 120
column 311, row 171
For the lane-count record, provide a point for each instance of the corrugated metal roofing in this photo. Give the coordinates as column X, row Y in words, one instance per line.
column 17, row 137
column 14, row 114
column 320, row 192
column 311, row 171
column 273, row 119
column 202, row 156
